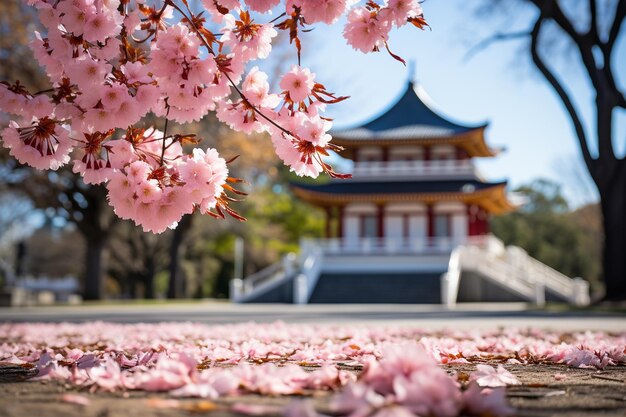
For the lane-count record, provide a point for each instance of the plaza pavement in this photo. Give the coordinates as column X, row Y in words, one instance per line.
column 585, row 392
column 464, row 316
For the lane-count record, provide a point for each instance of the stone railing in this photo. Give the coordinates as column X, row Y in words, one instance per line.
column 391, row 245
column 462, row 167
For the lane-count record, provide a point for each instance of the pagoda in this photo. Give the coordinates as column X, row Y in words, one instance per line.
column 411, row 225
column 414, row 181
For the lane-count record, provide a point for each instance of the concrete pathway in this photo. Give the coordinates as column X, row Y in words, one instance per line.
column 465, row 316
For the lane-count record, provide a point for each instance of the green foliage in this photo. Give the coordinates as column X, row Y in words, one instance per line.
column 546, row 229
column 297, row 219
column 544, row 196
column 276, row 220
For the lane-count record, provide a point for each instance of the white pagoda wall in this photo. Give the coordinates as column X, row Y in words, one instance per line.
column 396, row 217
column 352, row 219
column 403, row 153
column 405, row 220
column 458, row 213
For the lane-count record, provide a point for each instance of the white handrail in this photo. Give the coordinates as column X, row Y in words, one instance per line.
column 310, row 267
column 412, row 168
column 451, row 279
column 390, row 245
column 263, row 280
column 514, row 269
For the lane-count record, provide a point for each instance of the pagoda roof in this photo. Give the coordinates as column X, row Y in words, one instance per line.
column 491, row 195
column 411, row 118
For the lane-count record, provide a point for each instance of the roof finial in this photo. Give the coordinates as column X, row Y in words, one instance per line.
column 412, row 71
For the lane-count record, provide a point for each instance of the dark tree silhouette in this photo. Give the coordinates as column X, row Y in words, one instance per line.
column 594, row 46
column 62, row 191
column 86, row 206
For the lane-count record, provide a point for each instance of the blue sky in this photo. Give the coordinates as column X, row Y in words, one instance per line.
column 498, row 85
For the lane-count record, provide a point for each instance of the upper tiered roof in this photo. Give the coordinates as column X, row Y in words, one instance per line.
column 411, row 120
column 491, row 196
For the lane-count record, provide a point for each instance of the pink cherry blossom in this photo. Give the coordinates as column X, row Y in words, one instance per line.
column 300, row 408
column 87, row 73
column 486, row 401
column 101, row 25
column 75, row 399
column 298, row 83
column 110, row 66
column 249, row 40
column 394, row 411
column 401, row 373
column 398, row 11
column 365, row 31
column 42, row 144
column 327, row 11
column 487, row 376
column 262, row 6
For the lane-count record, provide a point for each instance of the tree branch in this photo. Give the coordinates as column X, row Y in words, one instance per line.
column 498, row 37
column 550, row 9
column 620, row 14
column 593, row 23
column 556, row 85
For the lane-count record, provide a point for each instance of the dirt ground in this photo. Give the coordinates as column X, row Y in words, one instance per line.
column 583, row 392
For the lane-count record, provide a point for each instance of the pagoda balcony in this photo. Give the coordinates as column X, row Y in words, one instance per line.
column 421, row 168
column 393, row 246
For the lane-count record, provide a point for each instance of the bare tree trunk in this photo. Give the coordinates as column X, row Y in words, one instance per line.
column 149, row 280
column 93, row 268
column 95, row 226
column 613, row 202
column 176, row 284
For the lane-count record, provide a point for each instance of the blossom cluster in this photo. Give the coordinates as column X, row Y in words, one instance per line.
column 111, row 63
column 373, row 370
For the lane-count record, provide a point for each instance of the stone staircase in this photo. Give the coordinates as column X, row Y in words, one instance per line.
column 381, row 287
column 513, row 270
column 486, row 268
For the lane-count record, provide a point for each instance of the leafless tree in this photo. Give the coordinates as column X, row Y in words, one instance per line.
column 594, row 29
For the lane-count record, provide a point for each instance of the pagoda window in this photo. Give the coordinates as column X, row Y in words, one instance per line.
column 370, row 154
column 369, row 226
column 405, row 222
column 443, row 225
column 450, row 220
column 443, row 153
column 360, row 221
column 406, row 153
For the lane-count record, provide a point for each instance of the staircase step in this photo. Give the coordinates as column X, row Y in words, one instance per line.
column 378, row 287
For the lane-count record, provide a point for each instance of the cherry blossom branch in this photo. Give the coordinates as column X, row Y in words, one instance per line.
column 106, row 79
column 167, row 114
column 230, row 80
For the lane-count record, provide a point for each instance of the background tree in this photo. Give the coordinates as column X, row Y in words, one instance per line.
column 135, row 259
column 588, row 31
column 51, row 252
column 549, row 232
column 62, row 192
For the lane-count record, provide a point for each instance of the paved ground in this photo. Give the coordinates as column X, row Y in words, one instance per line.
column 465, row 316
column 585, row 392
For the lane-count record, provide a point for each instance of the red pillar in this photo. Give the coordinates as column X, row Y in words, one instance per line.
column 431, row 220
column 381, row 220
column 486, row 227
column 329, row 217
column 426, row 153
column 471, row 221
column 340, row 222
